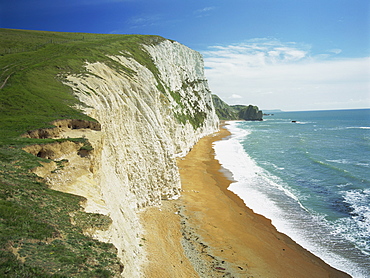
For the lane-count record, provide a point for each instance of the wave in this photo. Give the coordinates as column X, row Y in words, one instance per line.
column 328, row 165
column 357, row 228
column 341, row 161
column 333, row 168
column 266, row 194
column 304, row 123
column 267, row 163
column 346, row 161
column 339, row 128
column 358, row 127
column 233, row 157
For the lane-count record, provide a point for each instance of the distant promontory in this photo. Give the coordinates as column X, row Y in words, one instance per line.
column 236, row 112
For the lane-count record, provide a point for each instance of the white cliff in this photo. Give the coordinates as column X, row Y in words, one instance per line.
column 148, row 118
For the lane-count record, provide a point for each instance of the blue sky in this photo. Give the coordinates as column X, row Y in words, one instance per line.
column 287, row 54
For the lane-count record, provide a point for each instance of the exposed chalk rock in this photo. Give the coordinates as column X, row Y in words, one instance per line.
column 148, row 117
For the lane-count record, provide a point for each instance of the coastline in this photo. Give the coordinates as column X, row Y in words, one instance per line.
column 210, row 231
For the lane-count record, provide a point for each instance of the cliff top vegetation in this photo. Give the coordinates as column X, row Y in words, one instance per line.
column 31, row 63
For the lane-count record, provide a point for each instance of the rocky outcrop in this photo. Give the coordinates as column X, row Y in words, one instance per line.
column 236, row 112
column 60, row 126
column 250, row 113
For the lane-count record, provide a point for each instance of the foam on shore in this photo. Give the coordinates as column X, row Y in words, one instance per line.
column 265, row 194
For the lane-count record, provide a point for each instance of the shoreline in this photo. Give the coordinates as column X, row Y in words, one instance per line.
column 209, row 232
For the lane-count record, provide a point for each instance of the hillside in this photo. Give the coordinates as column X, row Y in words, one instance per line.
column 90, row 128
column 236, row 112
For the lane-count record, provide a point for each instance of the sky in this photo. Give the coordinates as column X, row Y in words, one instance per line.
column 277, row 54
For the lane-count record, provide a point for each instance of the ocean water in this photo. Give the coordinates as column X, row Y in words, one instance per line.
column 311, row 178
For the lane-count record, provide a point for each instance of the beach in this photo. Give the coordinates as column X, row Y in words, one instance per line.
column 209, row 232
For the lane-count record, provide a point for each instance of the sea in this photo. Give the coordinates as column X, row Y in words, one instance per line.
column 309, row 173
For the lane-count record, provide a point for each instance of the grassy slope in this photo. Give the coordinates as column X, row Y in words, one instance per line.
column 234, row 112
column 35, row 222
column 223, row 110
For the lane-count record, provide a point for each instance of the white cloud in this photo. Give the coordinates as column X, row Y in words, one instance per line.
column 206, row 9
column 272, row 74
column 235, row 96
column 335, row 50
column 144, row 20
column 204, row 12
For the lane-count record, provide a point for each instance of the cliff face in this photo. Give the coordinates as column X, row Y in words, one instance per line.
column 148, row 117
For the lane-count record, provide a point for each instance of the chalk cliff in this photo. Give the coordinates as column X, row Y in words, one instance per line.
column 148, row 117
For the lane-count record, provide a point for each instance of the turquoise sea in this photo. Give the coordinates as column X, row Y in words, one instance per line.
column 311, row 177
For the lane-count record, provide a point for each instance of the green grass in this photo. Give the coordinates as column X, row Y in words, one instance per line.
column 36, row 220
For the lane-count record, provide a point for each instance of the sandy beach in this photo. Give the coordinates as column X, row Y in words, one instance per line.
column 209, row 232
